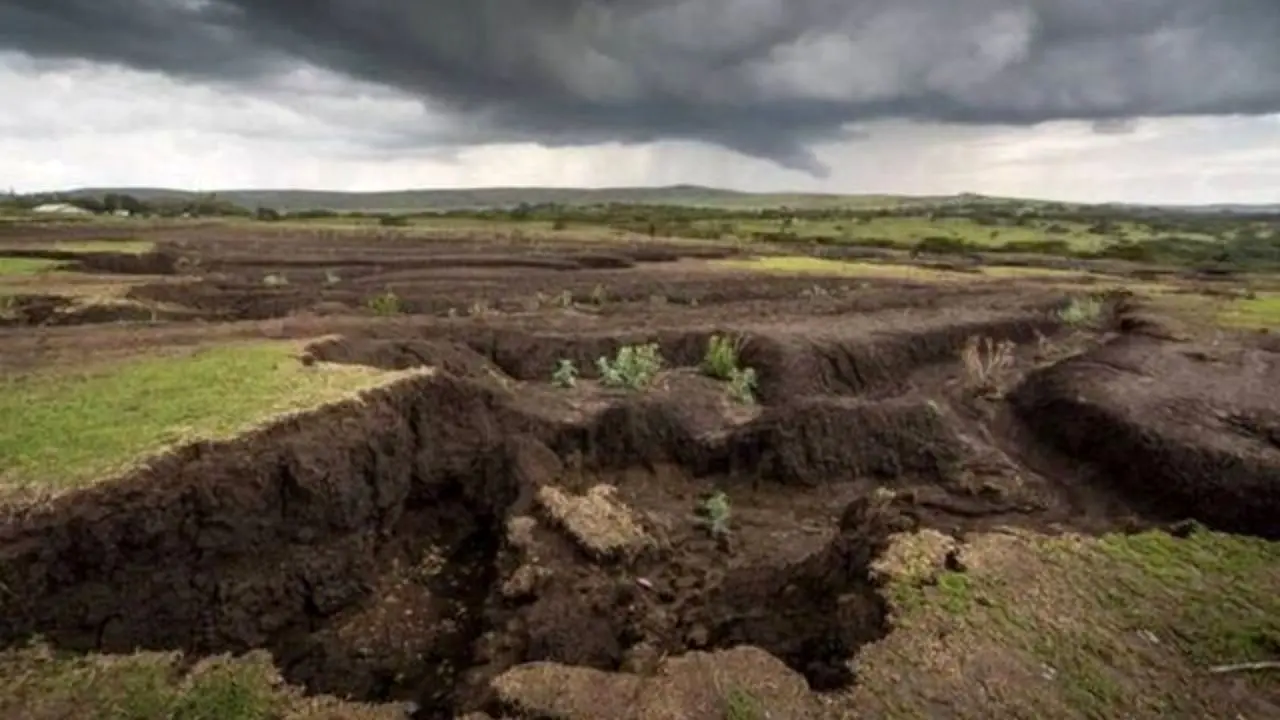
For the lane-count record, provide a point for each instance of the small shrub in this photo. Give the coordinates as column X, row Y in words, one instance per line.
column 565, row 375
column 275, row 280
column 388, row 303
column 1081, row 312
column 565, row 300
column 721, row 358
column 984, row 360
column 479, row 308
column 742, row 385
column 599, row 296
column 633, row 367
column 715, row 513
column 393, row 221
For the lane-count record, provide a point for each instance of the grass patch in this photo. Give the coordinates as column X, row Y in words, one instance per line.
column 106, row 245
column 10, row 266
column 1258, row 312
column 37, row 683
column 802, row 265
column 63, row 430
column 908, row 230
column 1081, row 312
column 1261, row 311
column 740, row 704
column 1118, row 626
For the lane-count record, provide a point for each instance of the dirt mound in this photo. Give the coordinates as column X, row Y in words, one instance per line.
column 57, row 310
column 22, row 310
column 453, row 358
column 816, row 441
column 811, row 364
column 743, row 682
column 1184, row 431
column 152, row 263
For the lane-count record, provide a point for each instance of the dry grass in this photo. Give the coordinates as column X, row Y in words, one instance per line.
column 597, row 521
column 985, row 362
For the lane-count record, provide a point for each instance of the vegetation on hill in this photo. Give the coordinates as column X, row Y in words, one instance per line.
column 956, row 225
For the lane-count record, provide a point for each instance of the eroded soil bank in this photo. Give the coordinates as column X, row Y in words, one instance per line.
column 418, row 544
column 369, row 546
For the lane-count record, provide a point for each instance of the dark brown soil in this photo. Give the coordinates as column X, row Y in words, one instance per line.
column 403, row 547
column 1183, row 430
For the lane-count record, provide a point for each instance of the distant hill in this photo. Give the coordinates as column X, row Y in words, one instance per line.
column 499, row 197
column 405, row 201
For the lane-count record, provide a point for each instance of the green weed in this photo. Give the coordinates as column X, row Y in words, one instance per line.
column 741, row 705
column 565, row 375
column 634, row 367
column 716, row 512
column 385, row 304
column 1081, row 312
column 721, row 358
column 742, row 385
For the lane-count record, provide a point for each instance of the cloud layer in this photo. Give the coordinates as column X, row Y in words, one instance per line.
column 769, row 78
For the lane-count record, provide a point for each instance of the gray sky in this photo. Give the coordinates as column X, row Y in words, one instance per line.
column 1139, row 100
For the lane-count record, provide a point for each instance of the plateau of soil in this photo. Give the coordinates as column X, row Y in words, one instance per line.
column 630, row 482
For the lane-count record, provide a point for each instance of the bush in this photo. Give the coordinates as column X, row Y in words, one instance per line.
column 565, row 375
column 715, row 512
column 393, row 221
column 942, row 245
column 742, row 385
column 633, row 367
column 721, row 358
column 1081, row 312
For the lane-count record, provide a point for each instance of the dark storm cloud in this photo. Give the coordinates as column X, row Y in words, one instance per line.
column 767, row 77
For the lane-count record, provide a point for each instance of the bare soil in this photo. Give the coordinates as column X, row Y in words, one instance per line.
column 480, row 541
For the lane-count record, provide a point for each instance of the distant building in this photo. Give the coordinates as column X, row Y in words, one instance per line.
column 60, row 209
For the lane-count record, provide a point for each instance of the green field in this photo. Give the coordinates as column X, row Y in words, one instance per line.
column 60, row 430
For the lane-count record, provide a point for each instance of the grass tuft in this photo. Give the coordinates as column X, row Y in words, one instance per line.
column 721, row 357
column 386, row 304
column 1081, row 312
